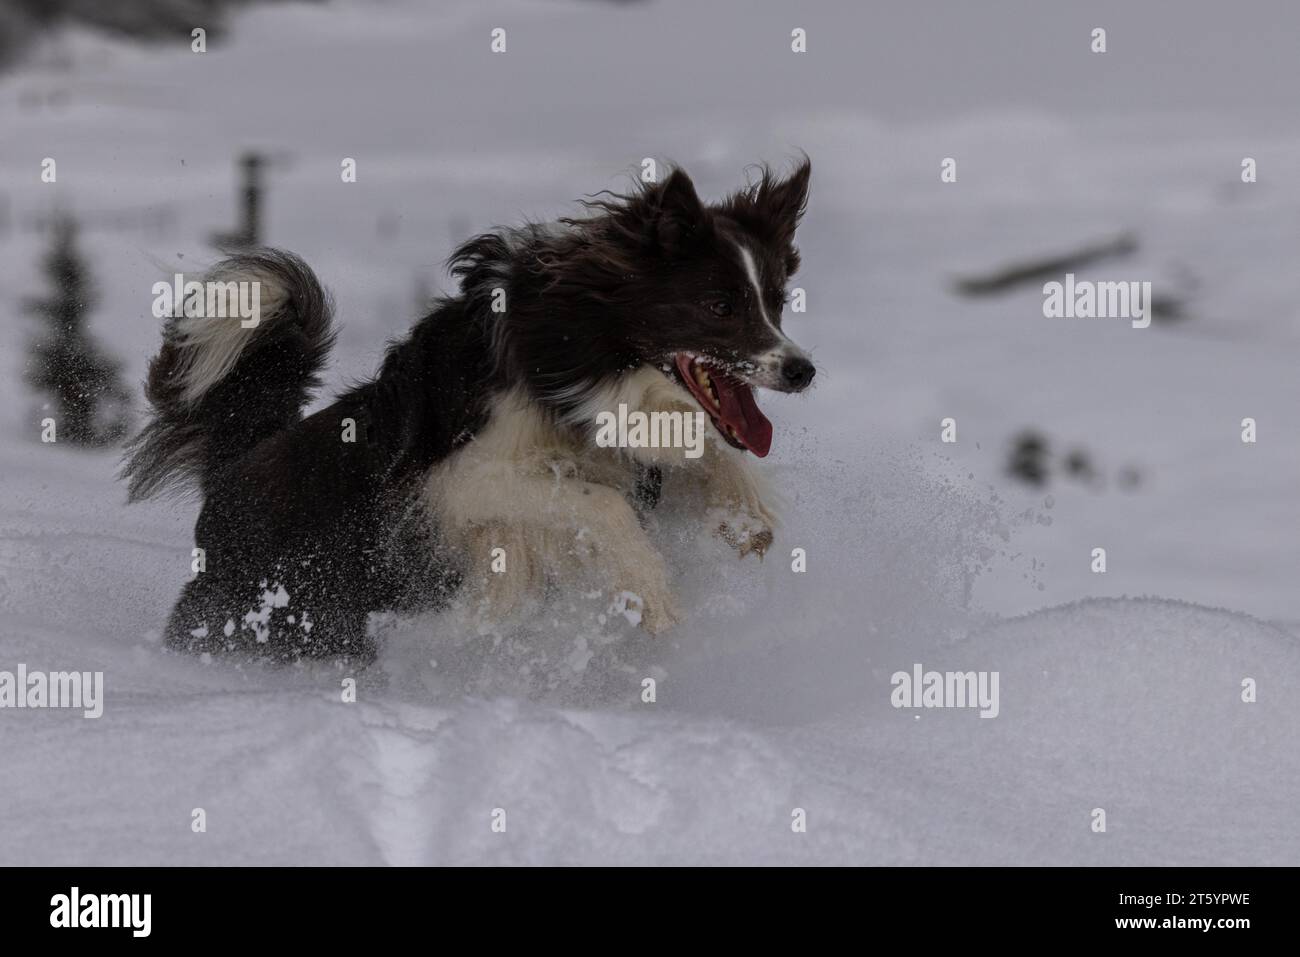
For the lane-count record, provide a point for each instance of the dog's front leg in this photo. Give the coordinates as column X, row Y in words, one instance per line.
column 544, row 525
column 736, row 495
column 738, row 501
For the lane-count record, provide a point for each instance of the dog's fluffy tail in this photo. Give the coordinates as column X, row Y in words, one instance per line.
column 219, row 386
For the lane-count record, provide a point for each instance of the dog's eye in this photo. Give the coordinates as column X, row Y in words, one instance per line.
column 720, row 308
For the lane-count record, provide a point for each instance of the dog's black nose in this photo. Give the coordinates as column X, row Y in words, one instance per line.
column 797, row 373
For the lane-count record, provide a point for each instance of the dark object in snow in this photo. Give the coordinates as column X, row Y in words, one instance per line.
column 1031, row 461
column 1129, row 478
column 1029, row 453
column 1167, row 308
column 1078, row 465
column 90, row 402
column 1033, row 270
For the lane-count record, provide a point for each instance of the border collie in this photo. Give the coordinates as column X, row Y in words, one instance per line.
column 469, row 460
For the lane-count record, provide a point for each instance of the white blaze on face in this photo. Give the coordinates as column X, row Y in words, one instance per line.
column 751, row 270
column 769, row 362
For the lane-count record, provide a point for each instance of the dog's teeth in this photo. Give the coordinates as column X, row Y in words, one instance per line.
column 706, row 384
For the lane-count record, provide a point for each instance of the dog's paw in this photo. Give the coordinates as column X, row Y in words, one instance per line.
column 746, row 534
column 660, row 616
column 654, row 610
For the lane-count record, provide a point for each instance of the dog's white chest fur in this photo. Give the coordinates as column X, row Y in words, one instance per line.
column 552, row 501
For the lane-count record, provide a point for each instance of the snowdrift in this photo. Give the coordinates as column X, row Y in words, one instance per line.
column 775, row 695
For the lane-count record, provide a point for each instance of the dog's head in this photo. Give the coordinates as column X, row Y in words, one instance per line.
column 701, row 289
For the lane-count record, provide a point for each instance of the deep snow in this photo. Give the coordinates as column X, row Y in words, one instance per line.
column 775, row 692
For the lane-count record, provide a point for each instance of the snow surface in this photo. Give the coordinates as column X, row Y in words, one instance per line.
column 775, row 692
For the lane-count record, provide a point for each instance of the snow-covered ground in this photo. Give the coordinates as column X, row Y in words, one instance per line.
column 1119, row 691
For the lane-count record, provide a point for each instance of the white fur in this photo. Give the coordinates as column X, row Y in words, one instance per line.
column 556, row 503
column 648, row 390
column 768, row 365
column 213, row 345
column 751, row 271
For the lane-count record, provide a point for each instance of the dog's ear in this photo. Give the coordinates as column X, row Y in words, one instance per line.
column 677, row 213
column 781, row 203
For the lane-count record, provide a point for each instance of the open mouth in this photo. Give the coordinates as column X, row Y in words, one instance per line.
column 728, row 401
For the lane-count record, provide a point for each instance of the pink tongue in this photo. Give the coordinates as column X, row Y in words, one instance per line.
column 738, row 409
